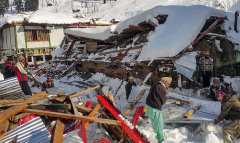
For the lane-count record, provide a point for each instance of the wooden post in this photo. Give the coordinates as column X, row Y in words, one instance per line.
column 235, row 22
column 180, row 81
column 10, row 112
column 35, row 62
column 57, row 135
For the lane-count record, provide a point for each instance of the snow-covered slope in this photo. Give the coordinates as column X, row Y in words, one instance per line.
column 123, row 9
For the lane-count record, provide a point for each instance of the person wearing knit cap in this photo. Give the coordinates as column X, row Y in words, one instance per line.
column 215, row 87
column 156, row 99
column 128, row 86
column 21, row 72
column 230, row 110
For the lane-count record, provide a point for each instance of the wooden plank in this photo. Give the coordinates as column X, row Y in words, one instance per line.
column 137, row 28
column 73, row 117
column 4, row 103
column 20, row 116
column 110, row 95
column 135, row 101
column 76, row 94
column 191, row 111
column 153, row 24
column 57, row 135
column 10, row 112
column 92, row 114
column 51, row 107
column 174, row 98
column 82, row 109
column 70, row 47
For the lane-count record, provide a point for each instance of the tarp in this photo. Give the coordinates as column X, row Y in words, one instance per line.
column 186, row 65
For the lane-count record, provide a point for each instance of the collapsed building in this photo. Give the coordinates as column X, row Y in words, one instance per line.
column 166, row 41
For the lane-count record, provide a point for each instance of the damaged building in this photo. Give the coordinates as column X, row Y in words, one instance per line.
column 141, row 46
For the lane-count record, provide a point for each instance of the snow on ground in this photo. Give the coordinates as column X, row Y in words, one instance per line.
column 206, row 132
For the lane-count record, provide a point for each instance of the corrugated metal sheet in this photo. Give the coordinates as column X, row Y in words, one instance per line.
column 72, row 137
column 33, row 131
column 10, row 89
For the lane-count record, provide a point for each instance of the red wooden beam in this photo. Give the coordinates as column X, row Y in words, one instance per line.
column 208, row 30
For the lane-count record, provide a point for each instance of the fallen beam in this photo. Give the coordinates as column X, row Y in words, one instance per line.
column 82, row 109
column 76, row 94
column 73, row 117
column 137, row 28
column 10, row 112
column 135, row 101
column 92, row 114
column 110, row 95
column 153, row 24
column 51, row 107
column 191, row 111
column 122, row 50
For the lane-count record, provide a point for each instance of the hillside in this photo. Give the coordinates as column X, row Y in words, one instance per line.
column 123, row 9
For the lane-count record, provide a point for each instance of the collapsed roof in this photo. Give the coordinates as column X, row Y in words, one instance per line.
column 181, row 28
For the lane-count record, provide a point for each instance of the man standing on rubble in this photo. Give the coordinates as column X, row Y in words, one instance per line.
column 9, row 69
column 215, row 87
column 128, row 86
column 20, row 72
column 230, row 110
column 156, row 99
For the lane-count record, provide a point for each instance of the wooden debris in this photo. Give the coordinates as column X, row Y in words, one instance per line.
column 57, row 135
column 174, row 98
column 70, row 47
column 68, row 116
column 191, row 111
column 82, row 109
column 51, row 107
column 137, row 28
column 135, row 101
column 110, row 95
column 122, row 50
column 177, row 103
column 76, row 94
column 70, row 68
column 153, row 24
column 10, row 112
column 92, row 114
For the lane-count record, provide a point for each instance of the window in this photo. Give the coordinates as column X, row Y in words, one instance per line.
column 36, row 35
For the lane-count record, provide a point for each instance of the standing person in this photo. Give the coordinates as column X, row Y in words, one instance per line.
column 48, row 83
column 215, row 87
column 9, row 69
column 20, row 72
column 128, row 86
column 156, row 99
column 206, row 64
column 149, row 81
column 230, row 110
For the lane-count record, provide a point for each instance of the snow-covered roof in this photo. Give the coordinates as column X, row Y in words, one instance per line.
column 51, row 18
column 182, row 26
column 12, row 18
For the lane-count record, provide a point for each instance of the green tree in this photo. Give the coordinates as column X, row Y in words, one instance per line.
column 31, row 5
column 4, row 5
column 19, row 5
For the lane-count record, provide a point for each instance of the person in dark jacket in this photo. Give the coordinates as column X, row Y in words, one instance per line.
column 48, row 83
column 230, row 110
column 149, row 81
column 156, row 99
column 215, row 87
column 9, row 69
column 20, row 72
column 128, row 86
